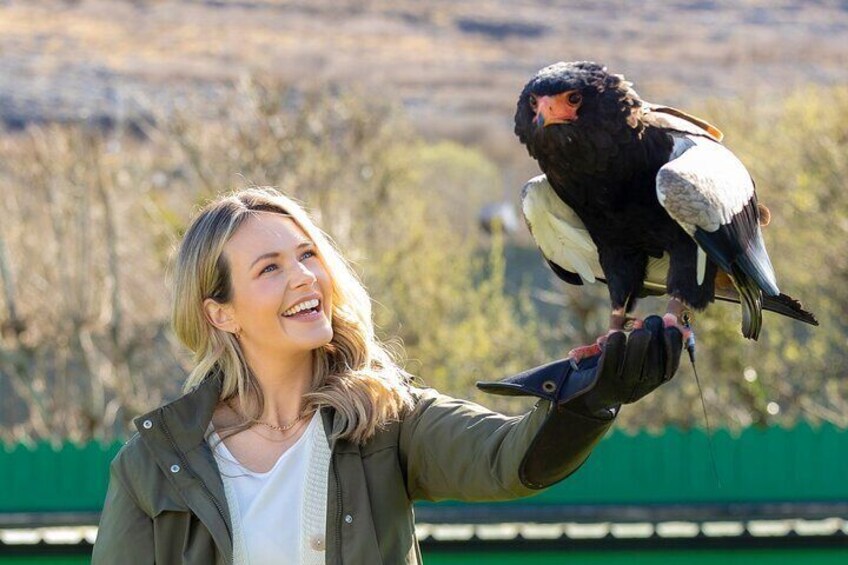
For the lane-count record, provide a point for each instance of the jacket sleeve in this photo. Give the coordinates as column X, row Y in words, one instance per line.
column 456, row 449
column 125, row 533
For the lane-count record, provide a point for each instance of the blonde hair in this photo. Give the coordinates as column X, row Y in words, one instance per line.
column 354, row 373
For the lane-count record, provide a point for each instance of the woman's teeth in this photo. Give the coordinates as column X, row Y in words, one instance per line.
column 308, row 305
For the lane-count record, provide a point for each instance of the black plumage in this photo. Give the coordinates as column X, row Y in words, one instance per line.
column 653, row 188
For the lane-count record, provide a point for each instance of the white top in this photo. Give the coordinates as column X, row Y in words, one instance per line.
column 278, row 516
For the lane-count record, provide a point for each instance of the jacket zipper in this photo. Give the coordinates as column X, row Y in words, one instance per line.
column 187, row 467
column 338, row 509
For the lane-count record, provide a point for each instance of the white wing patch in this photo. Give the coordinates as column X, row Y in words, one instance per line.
column 704, row 185
column 559, row 232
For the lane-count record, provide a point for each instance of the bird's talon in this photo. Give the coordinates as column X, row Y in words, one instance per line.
column 579, row 353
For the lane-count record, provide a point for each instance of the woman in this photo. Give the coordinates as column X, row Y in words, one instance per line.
column 299, row 440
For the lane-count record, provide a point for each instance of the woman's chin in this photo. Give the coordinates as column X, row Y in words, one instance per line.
column 320, row 339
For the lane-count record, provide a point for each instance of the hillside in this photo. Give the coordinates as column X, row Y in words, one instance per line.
column 456, row 66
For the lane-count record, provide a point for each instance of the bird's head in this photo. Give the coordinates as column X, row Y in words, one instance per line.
column 570, row 97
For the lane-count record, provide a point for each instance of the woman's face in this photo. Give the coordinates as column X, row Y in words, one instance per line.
column 274, row 267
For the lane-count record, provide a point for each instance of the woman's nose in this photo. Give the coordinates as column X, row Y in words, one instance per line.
column 302, row 275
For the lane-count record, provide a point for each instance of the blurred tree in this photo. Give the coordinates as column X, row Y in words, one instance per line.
column 98, row 216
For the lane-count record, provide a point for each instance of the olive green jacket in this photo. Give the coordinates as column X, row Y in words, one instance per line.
column 166, row 504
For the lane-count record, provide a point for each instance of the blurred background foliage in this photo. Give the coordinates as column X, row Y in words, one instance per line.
column 91, row 216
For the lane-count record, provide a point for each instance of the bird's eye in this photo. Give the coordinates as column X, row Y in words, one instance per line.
column 533, row 102
column 575, row 98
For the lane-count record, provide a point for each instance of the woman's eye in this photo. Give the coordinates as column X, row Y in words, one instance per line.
column 274, row 265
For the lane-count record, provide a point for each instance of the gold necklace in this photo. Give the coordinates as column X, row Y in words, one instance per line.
column 275, row 427
column 285, row 428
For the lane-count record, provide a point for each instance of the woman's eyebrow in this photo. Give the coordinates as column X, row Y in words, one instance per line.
column 277, row 253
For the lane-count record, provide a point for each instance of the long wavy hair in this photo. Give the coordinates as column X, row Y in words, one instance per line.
column 354, row 373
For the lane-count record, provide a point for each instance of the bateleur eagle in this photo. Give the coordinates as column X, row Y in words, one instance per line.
column 642, row 197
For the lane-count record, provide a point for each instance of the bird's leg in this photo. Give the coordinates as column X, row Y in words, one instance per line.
column 629, row 267
column 624, row 288
column 618, row 320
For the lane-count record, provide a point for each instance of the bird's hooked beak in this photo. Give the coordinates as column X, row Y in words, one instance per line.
column 556, row 109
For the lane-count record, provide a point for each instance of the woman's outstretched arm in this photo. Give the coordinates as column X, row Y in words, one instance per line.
column 456, row 449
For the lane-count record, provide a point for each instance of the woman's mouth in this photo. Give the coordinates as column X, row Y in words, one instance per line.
column 308, row 315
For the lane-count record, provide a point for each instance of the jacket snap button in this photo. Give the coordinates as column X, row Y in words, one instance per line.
column 175, row 468
column 147, row 424
column 549, row 386
column 348, row 519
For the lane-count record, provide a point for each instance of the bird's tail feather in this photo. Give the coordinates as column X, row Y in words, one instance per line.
column 756, row 263
column 752, row 302
column 788, row 306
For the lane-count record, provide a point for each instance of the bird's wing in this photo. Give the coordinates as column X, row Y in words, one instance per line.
column 708, row 191
column 668, row 118
column 560, row 234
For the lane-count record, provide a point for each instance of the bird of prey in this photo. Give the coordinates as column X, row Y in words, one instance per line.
column 642, row 197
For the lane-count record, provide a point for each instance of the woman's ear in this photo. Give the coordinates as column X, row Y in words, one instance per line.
column 220, row 315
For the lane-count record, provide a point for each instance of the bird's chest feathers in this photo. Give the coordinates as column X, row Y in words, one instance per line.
column 597, row 170
column 604, row 195
column 607, row 171
column 611, row 188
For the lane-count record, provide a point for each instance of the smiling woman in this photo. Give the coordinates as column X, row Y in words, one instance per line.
column 300, row 440
column 244, row 262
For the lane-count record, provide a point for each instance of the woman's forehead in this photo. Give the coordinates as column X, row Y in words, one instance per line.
column 264, row 232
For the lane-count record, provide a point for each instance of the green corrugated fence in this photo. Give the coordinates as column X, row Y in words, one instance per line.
column 805, row 463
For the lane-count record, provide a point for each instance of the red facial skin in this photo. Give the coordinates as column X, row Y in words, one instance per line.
column 557, row 109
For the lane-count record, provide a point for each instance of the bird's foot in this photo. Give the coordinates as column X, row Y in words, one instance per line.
column 619, row 323
column 623, row 322
column 633, row 324
column 670, row 320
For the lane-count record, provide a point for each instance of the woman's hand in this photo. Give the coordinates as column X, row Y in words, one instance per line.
column 630, row 367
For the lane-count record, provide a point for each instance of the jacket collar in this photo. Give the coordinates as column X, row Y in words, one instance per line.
column 188, row 416
column 174, row 435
